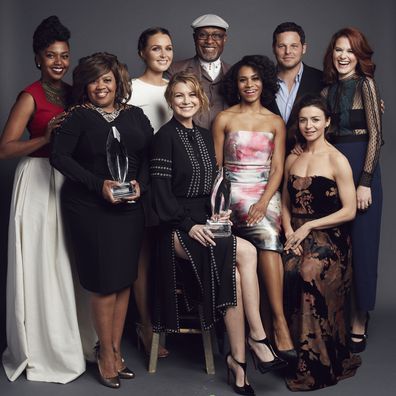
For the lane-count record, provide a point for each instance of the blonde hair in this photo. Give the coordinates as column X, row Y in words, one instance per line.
column 190, row 79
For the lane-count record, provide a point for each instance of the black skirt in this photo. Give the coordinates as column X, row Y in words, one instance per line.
column 105, row 239
column 207, row 277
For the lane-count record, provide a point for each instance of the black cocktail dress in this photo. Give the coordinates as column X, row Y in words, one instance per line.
column 105, row 238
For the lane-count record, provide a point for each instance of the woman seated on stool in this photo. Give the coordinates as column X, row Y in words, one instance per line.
column 223, row 270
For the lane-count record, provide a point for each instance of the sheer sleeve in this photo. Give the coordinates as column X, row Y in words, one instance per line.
column 372, row 109
column 324, row 92
column 64, row 141
column 161, row 168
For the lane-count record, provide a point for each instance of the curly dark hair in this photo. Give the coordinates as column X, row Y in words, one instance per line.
column 305, row 101
column 92, row 67
column 49, row 31
column 267, row 72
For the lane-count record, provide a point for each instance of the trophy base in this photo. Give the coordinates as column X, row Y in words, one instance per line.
column 219, row 229
column 124, row 190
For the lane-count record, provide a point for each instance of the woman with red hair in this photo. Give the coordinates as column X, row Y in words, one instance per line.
column 353, row 99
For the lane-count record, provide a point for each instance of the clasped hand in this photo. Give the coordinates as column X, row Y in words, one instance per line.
column 294, row 239
column 222, row 216
column 108, row 194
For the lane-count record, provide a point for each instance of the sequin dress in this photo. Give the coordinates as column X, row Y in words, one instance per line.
column 247, row 159
column 317, row 286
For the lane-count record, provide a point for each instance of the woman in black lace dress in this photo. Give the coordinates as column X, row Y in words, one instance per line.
column 318, row 199
column 354, row 103
column 220, row 272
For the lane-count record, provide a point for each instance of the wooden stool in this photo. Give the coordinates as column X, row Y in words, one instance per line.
column 206, row 339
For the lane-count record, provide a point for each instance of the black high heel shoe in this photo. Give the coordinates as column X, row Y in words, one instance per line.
column 359, row 346
column 275, row 364
column 246, row 389
column 111, row 382
column 290, row 355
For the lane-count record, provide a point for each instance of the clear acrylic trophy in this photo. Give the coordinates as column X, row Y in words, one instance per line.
column 117, row 162
column 220, row 203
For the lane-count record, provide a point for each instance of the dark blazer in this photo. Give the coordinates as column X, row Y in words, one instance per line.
column 211, row 88
column 311, row 82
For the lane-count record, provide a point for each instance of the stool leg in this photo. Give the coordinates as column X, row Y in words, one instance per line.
column 207, row 344
column 154, row 353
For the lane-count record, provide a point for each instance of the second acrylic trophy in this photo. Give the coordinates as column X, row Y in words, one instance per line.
column 220, row 203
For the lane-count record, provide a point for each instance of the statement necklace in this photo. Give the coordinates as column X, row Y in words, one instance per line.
column 54, row 95
column 109, row 117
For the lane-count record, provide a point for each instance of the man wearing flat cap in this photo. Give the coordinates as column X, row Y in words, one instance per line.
column 210, row 35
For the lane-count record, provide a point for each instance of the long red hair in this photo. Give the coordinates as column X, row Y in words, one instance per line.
column 360, row 48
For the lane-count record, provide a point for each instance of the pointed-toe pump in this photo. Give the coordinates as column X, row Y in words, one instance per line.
column 264, row 367
column 246, row 389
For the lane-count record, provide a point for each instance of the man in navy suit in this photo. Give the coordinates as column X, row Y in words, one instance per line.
column 295, row 77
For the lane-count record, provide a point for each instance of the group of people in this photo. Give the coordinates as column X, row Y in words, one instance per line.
column 314, row 242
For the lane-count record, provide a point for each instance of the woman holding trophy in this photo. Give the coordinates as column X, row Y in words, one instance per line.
column 220, row 272
column 102, row 149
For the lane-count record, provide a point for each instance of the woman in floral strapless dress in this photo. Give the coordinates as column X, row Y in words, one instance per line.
column 250, row 142
column 318, row 201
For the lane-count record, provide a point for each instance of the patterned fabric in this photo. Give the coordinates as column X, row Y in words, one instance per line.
column 317, row 285
column 247, row 159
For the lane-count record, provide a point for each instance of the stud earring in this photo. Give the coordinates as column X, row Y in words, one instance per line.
column 38, row 65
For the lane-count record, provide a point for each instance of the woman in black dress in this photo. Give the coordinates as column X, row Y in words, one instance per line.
column 318, row 198
column 354, row 102
column 105, row 231
column 220, row 272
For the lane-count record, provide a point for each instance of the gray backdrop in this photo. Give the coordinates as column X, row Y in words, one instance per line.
column 114, row 26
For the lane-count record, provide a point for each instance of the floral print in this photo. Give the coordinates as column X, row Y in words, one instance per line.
column 317, row 286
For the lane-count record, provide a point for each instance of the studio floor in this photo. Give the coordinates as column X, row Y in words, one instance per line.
column 182, row 373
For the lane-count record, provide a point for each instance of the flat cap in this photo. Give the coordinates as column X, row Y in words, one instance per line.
column 209, row 20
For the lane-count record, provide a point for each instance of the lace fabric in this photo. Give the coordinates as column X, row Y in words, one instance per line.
column 355, row 108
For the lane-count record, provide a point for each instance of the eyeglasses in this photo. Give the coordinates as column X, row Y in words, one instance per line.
column 203, row 36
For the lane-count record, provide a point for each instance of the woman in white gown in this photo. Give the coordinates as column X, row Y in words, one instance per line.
column 42, row 330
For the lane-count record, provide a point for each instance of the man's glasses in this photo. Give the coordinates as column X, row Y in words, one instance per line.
column 203, row 36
